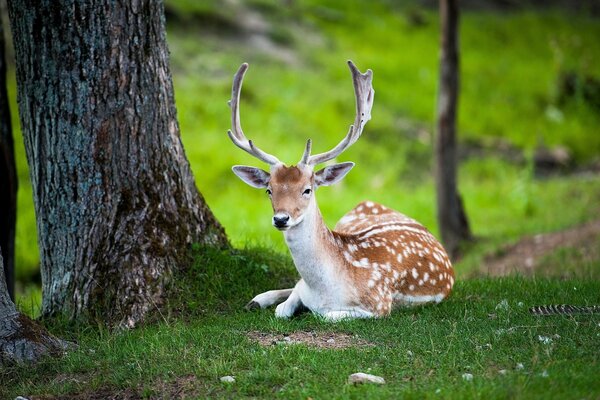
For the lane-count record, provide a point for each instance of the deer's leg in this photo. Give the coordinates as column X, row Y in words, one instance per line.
column 269, row 298
column 334, row 316
column 288, row 308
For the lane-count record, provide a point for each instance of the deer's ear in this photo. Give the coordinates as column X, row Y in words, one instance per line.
column 254, row 177
column 332, row 174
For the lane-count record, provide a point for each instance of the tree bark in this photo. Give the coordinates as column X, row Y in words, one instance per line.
column 116, row 203
column 21, row 339
column 8, row 178
column 452, row 219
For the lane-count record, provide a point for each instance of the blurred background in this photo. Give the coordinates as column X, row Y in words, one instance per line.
column 528, row 120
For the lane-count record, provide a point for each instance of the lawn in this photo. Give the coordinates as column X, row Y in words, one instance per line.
column 483, row 330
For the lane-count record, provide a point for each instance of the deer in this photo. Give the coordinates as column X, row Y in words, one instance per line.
column 374, row 258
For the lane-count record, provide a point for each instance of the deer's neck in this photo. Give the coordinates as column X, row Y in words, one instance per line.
column 310, row 243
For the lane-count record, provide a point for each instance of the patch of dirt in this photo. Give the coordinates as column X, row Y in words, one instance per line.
column 99, row 394
column 527, row 254
column 320, row 340
column 182, row 387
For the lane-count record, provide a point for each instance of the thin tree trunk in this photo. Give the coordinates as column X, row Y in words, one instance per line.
column 8, row 178
column 116, row 203
column 452, row 219
column 21, row 339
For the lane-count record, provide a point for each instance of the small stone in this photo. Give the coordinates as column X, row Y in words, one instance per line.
column 529, row 262
column 361, row 377
column 409, row 353
column 438, row 391
column 545, row 374
column 287, row 339
column 21, row 398
column 227, row 379
column 519, row 366
column 467, row 377
column 331, row 341
column 503, row 372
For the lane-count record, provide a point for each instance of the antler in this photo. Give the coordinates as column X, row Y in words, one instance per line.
column 236, row 134
column 363, row 90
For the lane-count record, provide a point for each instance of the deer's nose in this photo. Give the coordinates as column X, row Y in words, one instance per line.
column 280, row 220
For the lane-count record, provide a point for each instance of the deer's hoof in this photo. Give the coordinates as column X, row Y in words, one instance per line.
column 252, row 305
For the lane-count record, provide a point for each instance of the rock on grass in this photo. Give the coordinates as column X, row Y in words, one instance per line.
column 361, row 377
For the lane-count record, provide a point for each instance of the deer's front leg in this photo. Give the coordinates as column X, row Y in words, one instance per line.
column 334, row 316
column 288, row 308
column 269, row 298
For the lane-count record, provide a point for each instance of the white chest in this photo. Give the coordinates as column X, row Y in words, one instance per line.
column 322, row 288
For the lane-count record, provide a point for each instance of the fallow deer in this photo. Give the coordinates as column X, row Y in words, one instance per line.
column 374, row 258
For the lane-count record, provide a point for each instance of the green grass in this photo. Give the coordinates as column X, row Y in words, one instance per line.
column 423, row 352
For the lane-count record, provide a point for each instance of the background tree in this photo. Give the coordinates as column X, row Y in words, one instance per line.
column 452, row 219
column 21, row 339
column 116, row 203
column 8, row 177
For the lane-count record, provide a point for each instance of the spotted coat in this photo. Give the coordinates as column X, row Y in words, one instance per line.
column 390, row 258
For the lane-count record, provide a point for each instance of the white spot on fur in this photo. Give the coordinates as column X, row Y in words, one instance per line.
column 347, row 219
column 376, row 275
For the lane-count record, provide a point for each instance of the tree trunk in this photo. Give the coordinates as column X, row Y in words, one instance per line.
column 452, row 219
column 21, row 339
column 8, row 178
column 115, row 200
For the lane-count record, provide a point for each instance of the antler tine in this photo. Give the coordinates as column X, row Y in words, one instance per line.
column 236, row 134
column 364, row 93
column 306, row 155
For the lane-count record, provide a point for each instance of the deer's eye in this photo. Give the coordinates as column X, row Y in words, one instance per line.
column 268, row 191
column 307, row 191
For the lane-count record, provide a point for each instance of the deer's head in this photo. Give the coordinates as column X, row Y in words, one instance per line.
column 291, row 189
